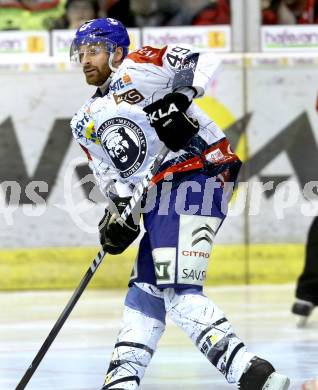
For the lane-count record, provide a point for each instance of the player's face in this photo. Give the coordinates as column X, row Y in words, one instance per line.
column 94, row 60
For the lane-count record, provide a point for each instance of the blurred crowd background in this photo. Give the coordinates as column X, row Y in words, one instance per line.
column 70, row 14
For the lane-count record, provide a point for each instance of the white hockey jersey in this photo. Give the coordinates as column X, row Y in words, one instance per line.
column 114, row 130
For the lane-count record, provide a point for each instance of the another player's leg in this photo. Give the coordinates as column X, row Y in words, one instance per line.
column 142, row 326
column 214, row 336
column 307, row 286
column 302, row 309
column 310, row 385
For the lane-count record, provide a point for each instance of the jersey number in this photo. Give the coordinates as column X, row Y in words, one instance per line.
column 175, row 59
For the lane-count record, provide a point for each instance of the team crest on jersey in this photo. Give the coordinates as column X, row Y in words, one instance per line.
column 125, row 143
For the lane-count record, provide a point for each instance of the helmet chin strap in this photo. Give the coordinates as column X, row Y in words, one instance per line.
column 110, row 62
column 104, row 86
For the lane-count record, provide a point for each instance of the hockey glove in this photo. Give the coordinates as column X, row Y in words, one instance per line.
column 168, row 117
column 116, row 235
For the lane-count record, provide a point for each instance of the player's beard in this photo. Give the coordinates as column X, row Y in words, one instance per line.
column 95, row 75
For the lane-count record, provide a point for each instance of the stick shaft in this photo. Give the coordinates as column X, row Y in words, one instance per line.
column 138, row 193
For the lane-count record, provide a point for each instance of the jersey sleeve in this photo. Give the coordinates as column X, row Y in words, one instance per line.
column 83, row 130
column 180, row 67
column 106, row 176
column 191, row 67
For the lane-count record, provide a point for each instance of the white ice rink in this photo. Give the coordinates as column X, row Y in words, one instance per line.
column 79, row 357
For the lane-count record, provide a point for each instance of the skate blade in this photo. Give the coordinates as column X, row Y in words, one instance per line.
column 301, row 321
column 276, row 382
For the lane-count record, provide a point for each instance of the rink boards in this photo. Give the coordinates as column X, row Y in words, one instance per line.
column 266, row 105
column 63, row 268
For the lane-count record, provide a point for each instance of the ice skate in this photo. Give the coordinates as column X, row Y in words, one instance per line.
column 302, row 309
column 261, row 375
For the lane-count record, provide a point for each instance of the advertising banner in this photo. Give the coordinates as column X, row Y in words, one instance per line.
column 217, row 38
column 62, row 39
column 61, row 42
column 135, row 38
column 282, row 140
column 41, row 164
column 267, row 110
column 31, row 43
column 289, row 38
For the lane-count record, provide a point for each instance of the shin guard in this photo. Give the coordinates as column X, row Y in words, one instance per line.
column 209, row 329
column 136, row 342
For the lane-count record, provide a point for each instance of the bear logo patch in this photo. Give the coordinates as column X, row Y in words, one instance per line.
column 125, row 144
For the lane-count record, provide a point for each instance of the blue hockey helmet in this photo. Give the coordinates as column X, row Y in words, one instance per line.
column 109, row 32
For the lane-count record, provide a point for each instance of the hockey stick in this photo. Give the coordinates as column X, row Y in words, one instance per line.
column 139, row 191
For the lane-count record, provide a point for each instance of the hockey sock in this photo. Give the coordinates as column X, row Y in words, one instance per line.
column 211, row 332
column 136, row 342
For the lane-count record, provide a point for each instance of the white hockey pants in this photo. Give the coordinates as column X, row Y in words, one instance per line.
column 144, row 323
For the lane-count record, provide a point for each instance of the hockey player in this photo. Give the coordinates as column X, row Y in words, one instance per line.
column 310, row 385
column 307, row 284
column 144, row 100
